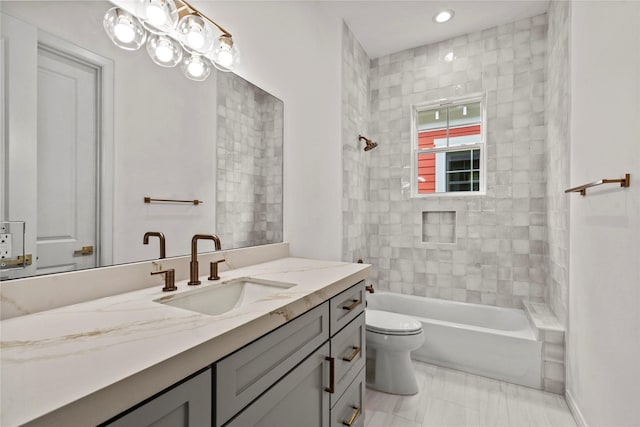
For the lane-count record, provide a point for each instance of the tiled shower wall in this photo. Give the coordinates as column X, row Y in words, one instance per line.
column 355, row 113
column 498, row 254
column 557, row 105
column 249, row 164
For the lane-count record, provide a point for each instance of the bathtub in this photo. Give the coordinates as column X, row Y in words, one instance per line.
column 484, row 340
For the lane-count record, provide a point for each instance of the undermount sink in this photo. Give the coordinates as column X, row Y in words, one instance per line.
column 218, row 299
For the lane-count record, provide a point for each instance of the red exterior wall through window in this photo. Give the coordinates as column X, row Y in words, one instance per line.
column 427, row 162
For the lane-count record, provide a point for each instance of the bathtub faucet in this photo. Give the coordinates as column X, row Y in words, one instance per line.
column 369, row 288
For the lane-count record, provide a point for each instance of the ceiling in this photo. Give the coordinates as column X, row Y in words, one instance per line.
column 384, row 27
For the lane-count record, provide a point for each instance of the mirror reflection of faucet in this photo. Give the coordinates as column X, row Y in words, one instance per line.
column 159, row 235
column 193, row 265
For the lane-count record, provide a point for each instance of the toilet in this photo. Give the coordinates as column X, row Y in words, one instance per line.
column 390, row 339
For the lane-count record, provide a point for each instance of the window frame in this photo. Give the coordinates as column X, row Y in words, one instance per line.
column 482, row 145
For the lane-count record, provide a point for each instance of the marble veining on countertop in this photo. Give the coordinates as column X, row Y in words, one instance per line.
column 53, row 358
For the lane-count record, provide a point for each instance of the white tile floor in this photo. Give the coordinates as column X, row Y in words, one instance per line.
column 453, row 398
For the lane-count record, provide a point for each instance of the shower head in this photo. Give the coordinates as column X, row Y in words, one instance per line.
column 370, row 144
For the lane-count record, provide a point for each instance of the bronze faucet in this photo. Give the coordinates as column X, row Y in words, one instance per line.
column 193, row 276
column 169, row 279
column 160, row 236
column 213, row 270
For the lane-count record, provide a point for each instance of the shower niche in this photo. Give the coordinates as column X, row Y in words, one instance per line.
column 438, row 227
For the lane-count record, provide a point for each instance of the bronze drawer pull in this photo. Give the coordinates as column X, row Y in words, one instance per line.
column 354, row 415
column 349, row 358
column 332, row 375
column 356, row 302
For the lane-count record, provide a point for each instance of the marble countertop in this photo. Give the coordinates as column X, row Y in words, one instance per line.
column 84, row 363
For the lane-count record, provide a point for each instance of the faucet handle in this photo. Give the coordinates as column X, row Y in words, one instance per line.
column 213, row 270
column 169, row 279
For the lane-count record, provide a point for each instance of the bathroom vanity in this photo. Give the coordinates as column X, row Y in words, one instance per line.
column 281, row 379
column 292, row 357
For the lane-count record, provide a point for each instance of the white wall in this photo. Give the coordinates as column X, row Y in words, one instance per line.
column 293, row 51
column 604, row 293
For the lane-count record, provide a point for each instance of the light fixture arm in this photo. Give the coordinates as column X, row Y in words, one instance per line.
column 193, row 10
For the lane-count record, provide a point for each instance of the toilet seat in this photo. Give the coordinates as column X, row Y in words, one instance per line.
column 387, row 323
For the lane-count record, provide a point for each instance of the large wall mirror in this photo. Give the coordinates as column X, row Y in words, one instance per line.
column 90, row 130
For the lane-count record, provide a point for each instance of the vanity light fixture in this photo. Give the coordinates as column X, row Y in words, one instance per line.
column 443, row 16
column 175, row 33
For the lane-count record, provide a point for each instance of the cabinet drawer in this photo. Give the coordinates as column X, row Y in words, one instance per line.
column 348, row 348
column 247, row 373
column 186, row 405
column 349, row 410
column 346, row 306
column 297, row 400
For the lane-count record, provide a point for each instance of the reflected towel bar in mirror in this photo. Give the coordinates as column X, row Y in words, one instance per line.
column 192, row 202
column 582, row 189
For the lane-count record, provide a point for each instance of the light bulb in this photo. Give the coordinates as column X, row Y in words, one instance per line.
column 195, row 38
column 464, row 110
column 224, row 52
column 124, row 31
column 225, row 58
column 437, row 115
column 156, row 15
column 164, row 52
column 196, row 69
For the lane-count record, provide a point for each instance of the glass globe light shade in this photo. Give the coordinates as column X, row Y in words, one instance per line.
column 224, row 52
column 158, row 16
column 194, row 34
column 124, row 30
column 196, row 67
column 164, row 51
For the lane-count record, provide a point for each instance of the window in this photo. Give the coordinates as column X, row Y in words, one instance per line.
column 448, row 147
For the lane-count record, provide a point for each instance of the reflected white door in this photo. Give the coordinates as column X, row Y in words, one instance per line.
column 67, row 120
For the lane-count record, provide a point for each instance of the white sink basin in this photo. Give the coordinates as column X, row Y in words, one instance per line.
column 218, row 299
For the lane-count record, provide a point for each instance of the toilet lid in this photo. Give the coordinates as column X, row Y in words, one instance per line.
column 391, row 323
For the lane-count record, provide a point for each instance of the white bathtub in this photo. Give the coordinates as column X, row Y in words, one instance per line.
column 490, row 341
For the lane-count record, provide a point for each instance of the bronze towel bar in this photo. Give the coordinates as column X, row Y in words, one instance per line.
column 193, row 202
column 582, row 189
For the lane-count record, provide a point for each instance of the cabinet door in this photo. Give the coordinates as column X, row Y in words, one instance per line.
column 349, row 410
column 186, row 405
column 298, row 399
column 249, row 372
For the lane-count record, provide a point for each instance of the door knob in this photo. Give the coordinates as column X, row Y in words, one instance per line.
column 86, row 250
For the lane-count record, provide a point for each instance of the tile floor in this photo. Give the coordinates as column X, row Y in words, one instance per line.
column 453, row 398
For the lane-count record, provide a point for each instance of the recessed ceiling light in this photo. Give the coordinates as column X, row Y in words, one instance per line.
column 443, row 16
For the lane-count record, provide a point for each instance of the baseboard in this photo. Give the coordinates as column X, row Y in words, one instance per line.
column 577, row 415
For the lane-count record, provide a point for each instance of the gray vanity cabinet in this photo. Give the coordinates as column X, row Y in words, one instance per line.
column 186, row 405
column 308, row 372
column 325, row 386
